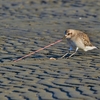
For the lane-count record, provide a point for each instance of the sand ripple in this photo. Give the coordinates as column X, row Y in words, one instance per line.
column 27, row 25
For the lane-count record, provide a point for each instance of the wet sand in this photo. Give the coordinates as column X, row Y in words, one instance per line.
column 27, row 25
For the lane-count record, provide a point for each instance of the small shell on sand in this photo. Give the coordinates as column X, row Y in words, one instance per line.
column 52, row 58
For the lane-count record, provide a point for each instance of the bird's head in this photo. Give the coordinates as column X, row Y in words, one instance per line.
column 69, row 33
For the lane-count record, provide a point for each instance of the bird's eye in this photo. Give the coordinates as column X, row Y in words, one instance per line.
column 68, row 33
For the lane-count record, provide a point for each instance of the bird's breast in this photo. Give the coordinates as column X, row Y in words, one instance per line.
column 79, row 43
column 71, row 43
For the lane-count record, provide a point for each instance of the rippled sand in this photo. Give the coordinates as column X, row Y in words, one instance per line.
column 27, row 25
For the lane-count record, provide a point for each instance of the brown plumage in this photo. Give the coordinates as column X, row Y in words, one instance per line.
column 78, row 39
column 84, row 38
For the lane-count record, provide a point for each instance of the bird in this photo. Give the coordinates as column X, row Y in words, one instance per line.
column 77, row 40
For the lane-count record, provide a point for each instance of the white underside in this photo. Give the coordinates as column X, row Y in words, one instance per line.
column 89, row 48
column 79, row 44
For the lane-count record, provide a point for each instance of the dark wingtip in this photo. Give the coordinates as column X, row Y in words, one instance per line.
column 97, row 47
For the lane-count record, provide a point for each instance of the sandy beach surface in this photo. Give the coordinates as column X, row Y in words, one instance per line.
column 26, row 26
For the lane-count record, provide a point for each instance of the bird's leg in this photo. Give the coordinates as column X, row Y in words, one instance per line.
column 74, row 52
column 67, row 52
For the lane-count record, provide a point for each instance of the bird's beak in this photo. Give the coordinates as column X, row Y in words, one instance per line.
column 63, row 37
column 66, row 35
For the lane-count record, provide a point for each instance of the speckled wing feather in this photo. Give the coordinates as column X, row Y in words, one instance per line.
column 85, row 39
